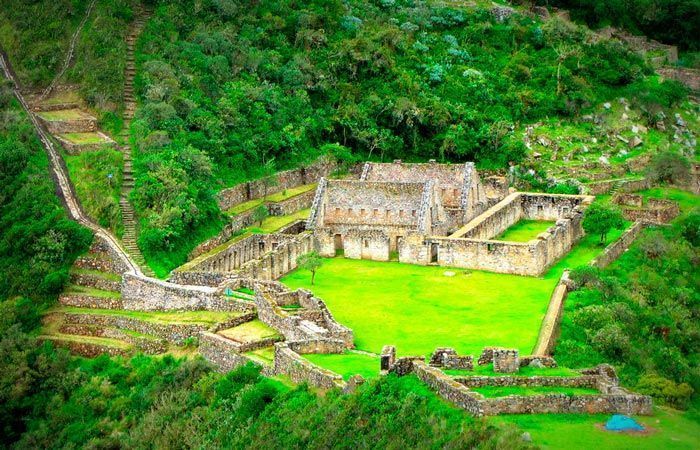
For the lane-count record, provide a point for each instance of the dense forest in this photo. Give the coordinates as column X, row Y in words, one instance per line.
column 674, row 22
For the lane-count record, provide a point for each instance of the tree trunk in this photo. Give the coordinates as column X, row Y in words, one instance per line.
column 313, row 275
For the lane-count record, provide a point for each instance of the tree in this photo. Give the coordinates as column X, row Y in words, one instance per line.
column 269, row 176
column 669, row 167
column 311, row 262
column 261, row 213
column 600, row 219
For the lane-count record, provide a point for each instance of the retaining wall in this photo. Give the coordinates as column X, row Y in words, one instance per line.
column 301, row 370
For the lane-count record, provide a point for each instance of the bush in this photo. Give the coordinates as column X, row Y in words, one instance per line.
column 674, row 394
column 669, row 167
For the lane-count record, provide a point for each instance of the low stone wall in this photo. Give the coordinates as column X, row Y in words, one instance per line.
column 221, row 352
column 101, row 257
column 230, row 230
column 172, row 332
column 83, row 125
column 147, row 345
column 301, row 370
column 569, row 404
column 75, row 149
column 550, row 324
column 604, row 187
column 87, row 349
column 201, row 278
column 148, row 294
column 583, row 381
column 655, row 211
column 617, row 248
column 449, row 389
column 90, row 301
column 291, row 205
column 95, row 281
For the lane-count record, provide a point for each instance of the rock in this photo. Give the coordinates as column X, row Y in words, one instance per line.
column 449, row 273
column 622, row 153
column 621, row 138
column 607, row 105
column 537, row 155
column 642, row 129
column 536, row 363
column 526, row 437
column 594, row 140
column 660, row 125
column 585, row 149
column 604, row 160
column 635, row 142
column 542, row 140
column 625, row 116
column 635, row 129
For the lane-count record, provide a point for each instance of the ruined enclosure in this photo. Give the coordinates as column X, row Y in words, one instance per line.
column 409, row 209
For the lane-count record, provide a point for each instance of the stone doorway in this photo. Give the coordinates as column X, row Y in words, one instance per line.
column 338, row 244
column 434, row 253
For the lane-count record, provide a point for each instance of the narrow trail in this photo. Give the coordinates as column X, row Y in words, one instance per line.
column 70, row 54
column 60, row 174
column 127, row 209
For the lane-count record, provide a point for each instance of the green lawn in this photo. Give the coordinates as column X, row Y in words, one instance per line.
column 525, row 230
column 277, row 197
column 419, row 308
column 251, row 331
column 347, row 364
column 63, row 114
column 84, row 138
column 85, row 290
column 274, row 223
column 503, row 391
column 671, row 430
column 686, row 200
column 487, row 371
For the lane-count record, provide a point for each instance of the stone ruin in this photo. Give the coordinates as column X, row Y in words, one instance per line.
column 440, row 214
column 635, row 207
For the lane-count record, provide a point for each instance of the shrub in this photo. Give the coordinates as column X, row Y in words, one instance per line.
column 675, row 394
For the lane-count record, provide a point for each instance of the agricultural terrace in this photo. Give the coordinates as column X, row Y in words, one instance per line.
column 419, row 308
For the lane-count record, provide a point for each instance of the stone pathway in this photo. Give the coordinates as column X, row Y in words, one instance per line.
column 128, row 217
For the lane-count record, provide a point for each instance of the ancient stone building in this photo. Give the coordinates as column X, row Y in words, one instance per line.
column 440, row 214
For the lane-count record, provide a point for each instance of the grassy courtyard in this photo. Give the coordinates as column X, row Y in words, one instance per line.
column 419, row 308
column 525, row 230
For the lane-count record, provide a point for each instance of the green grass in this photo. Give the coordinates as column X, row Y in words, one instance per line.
column 263, row 355
column 503, row 391
column 277, row 197
column 251, row 331
column 62, row 97
column 84, row 138
column 180, row 317
column 73, row 289
column 64, row 114
column 274, row 223
column 98, row 194
column 418, row 308
column 671, row 430
column 525, row 230
column 487, row 370
column 686, row 200
column 109, row 342
column 105, row 275
column 347, row 364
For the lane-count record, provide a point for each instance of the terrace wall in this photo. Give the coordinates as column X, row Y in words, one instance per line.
column 301, row 370
column 148, row 294
column 288, row 179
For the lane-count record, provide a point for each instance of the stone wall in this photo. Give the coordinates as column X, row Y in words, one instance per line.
column 221, row 352
column 654, row 210
column 301, row 370
column 366, row 244
column 87, row 349
column 617, row 248
column 263, row 256
column 102, row 257
column 629, row 404
column 288, row 179
column 449, row 178
column 148, row 294
column 550, row 324
column 95, row 281
column 291, row 205
column 171, row 332
column 90, row 301
column 86, row 124
column 147, row 345
column 449, row 389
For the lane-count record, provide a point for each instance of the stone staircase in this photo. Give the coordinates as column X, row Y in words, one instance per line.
column 128, row 216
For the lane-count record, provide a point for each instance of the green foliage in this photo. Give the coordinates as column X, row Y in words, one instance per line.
column 286, row 81
column 37, row 241
column 600, row 218
column 260, row 214
column 97, row 177
column 311, row 262
column 641, row 314
column 671, row 21
column 669, row 167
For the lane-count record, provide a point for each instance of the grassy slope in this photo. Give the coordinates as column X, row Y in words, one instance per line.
column 348, row 364
column 503, row 391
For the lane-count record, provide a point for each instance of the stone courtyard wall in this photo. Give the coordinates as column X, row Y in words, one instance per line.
column 617, row 248
column 301, row 370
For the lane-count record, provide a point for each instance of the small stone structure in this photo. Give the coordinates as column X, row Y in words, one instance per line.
column 635, row 207
column 506, row 360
